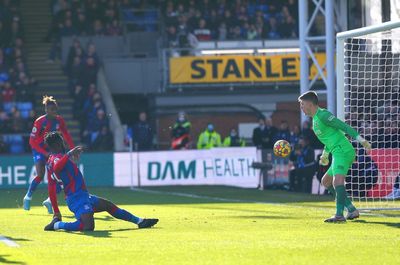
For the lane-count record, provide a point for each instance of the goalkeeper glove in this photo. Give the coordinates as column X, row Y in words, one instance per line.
column 364, row 143
column 324, row 159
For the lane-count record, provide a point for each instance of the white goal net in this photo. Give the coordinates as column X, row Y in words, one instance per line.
column 368, row 69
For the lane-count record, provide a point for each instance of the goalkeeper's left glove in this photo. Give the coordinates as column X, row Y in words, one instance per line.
column 324, row 159
column 364, row 143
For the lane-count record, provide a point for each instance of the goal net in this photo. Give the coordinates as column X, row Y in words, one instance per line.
column 368, row 80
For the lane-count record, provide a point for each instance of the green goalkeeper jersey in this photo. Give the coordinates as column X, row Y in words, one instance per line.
column 331, row 131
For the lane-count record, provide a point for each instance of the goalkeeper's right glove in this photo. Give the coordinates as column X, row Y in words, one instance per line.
column 364, row 143
column 324, row 159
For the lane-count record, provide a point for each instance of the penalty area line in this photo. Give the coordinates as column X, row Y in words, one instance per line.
column 8, row 242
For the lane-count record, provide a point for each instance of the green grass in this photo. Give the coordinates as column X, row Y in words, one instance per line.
column 243, row 227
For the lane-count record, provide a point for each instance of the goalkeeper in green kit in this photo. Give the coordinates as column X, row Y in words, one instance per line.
column 331, row 132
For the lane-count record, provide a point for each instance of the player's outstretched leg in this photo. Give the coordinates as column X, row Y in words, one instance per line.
column 84, row 223
column 100, row 205
column 28, row 196
column 40, row 170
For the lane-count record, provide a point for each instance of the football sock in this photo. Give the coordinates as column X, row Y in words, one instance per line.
column 124, row 215
column 347, row 203
column 73, row 226
column 340, row 199
column 35, row 182
column 58, row 189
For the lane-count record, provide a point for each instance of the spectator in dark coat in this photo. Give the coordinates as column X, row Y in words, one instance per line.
column 103, row 141
column 263, row 135
column 141, row 134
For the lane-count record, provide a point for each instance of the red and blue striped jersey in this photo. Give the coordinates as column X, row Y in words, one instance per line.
column 64, row 171
column 44, row 125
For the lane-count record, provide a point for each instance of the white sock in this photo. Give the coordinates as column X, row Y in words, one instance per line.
column 56, row 226
column 27, row 197
column 140, row 220
column 47, row 200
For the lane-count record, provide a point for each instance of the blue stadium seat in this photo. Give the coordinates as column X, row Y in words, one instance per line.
column 24, row 106
column 16, row 143
column 8, row 106
column 25, row 113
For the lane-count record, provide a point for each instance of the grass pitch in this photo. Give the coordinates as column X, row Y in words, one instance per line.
column 201, row 225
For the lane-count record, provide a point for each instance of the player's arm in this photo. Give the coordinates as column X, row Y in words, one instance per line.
column 65, row 133
column 52, row 189
column 34, row 138
column 330, row 120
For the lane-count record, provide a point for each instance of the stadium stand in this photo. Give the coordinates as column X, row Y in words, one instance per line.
column 16, row 85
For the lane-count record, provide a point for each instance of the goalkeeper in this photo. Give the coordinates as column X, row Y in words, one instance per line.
column 331, row 132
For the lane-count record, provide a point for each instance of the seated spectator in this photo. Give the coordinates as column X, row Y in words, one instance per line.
column 114, row 28
column 5, row 126
column 104, row 140
column 17, row 122
column 283, row 133
column 202, row 33
column 209, row 138
column 8, row 93
column 304, row 167
column 234, row 140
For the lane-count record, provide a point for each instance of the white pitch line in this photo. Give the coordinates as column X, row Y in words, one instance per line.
column 8, row 242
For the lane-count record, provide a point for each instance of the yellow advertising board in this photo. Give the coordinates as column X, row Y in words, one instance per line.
column 239, row 68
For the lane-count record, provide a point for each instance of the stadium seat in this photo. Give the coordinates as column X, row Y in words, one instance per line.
column 15, row 143
column 8, row 106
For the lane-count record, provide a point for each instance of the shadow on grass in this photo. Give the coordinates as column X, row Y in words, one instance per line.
column 102, row 233
column 17, row 239
column 4, row 260
column 394, row 225
column 274, row 217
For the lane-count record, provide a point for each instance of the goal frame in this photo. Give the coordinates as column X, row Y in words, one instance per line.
column 340, row 38
column 340, row 64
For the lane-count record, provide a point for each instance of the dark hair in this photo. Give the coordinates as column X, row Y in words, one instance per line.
column 309, row 96
column 53, row 138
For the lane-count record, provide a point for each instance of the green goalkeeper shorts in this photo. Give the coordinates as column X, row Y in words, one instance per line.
column 342, row 159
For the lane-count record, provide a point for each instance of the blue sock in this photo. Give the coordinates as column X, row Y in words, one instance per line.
column 59, row 189
column 124, row 215
column 35, row 182
column 75, row 226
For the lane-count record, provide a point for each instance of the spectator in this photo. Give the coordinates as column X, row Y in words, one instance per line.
column 8, row 93
column 295, row 135
column 263, row 135
column 114, row 28
column 202, row 33
column 5, row 126
column 234, row 140
column 103, row 141
column 395, row 194
column 309, row 135
column 304, row 167
column 209, row 138
column 17, row 122
column 180, row 135
column 142, row 134
column 283, row 132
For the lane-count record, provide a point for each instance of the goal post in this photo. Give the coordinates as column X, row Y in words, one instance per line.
column 368, row 95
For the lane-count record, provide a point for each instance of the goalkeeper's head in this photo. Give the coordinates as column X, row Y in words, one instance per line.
column 55, row 142
column 309, row 103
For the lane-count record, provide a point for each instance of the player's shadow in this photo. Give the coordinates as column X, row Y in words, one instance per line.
column 4, row 260
column 103, row 233
column 17, row 239
column 394, row 225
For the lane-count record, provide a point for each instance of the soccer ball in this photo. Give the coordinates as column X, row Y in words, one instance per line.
column 282, row 148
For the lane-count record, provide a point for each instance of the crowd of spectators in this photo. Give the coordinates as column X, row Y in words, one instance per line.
column 81, row 68
column 229, row 20
column 17, row 87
